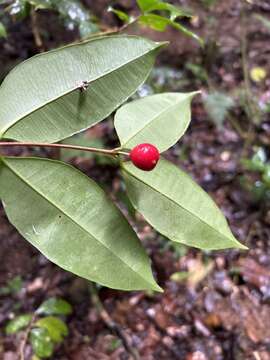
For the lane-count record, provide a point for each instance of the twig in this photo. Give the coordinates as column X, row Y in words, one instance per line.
column 253, row 113
column 115, row 328
column 109, row 152
column 244, row 61
column 116, row 30
column 25, row 337
column 35, row 30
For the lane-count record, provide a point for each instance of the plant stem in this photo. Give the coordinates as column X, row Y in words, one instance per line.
column 25, row 337
column 252, row 108
column 112, row 31
column 35, row 30
column 108, row 152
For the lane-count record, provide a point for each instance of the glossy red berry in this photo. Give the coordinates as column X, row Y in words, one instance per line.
column 144, row 156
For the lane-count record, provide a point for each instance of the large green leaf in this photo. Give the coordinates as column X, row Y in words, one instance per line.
column 177, row 207
column 41, row 98
column 69, row 218
column 159, row 119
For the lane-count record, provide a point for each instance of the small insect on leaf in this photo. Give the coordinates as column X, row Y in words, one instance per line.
column 84, row 86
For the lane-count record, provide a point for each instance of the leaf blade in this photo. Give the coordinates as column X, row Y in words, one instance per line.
column 145, row 5
column 56, row 328
column 183, row 212
column 54, row 306
column 18, row 323
column 3, row 31
column 49, row 104
column 120, row 14
column 160, row 23
column 159, row 119
column 80, row 230
column 41, row 342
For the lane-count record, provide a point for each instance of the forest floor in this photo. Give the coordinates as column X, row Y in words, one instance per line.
column 215, row 305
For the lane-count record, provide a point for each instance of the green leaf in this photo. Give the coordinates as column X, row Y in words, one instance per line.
column 266, row 175
column 174, row 11
column 177, row 207
column 257, row 162
column 41, row 4
column 120, row 14
column 41, row 342
column 69, row 218
column 187, row 32
column 160, row 23
column 155, row 22
column 57, row 329
column 158, row 5
column 18, row 323
column 159, row 119
column 179, row 276
column 54, row 306
column 42, row 99
column 145, row 5
column 3, row 31
column 19, row 9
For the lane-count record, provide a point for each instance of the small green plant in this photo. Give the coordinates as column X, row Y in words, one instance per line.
column 158, row 15
column 259, row 185
column 61, row 211
column 44, row 329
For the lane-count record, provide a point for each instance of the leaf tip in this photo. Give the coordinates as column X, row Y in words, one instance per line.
column 162, row 44
column 194, row 93
column 235, row 244
column 241, row 246
column 157, row 288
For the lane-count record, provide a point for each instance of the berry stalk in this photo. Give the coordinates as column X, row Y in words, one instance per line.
column 109, row 152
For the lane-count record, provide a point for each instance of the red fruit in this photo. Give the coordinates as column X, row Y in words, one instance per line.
column 144, row 156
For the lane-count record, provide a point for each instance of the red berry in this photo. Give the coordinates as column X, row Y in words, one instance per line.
column 144, row 156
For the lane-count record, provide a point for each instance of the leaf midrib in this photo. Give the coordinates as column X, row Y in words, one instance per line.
column 72, row 220
column 2, row 133
column 181, row 206
column 149, row 122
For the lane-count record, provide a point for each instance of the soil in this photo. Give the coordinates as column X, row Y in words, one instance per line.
column 222, row 310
